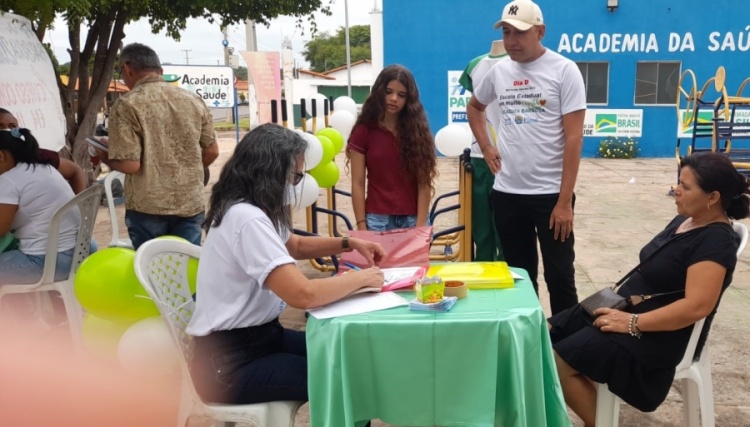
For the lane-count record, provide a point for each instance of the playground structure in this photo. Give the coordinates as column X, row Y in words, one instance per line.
column 712, row 120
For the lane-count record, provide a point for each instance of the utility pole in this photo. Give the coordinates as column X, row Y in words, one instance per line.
column 187, row 58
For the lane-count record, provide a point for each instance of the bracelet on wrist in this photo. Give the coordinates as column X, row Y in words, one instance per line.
column 359, row 222
column 345, row 242
column 633, row 327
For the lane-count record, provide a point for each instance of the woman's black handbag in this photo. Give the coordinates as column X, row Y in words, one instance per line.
column 606, row 297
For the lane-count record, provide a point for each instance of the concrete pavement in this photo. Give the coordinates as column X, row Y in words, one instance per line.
column 620, row 205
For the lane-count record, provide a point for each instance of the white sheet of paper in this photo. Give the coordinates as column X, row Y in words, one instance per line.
column 358, row 304
column 393, row 275
column 515, row 275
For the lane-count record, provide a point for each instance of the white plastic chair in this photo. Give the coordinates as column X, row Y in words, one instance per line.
column 87, row 202
column 109, row 180
column 693, row 374
column 161, row 267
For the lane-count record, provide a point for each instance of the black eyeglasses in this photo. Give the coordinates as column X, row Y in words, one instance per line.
column 298, row 177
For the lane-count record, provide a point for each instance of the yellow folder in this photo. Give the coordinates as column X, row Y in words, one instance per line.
column 477, row 275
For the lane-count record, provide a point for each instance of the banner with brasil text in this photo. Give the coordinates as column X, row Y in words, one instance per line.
column 616, row 123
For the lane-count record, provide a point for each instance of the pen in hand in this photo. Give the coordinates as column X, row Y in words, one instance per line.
column 351, row 266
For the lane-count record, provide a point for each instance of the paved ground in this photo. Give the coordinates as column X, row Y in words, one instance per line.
column 621, row 204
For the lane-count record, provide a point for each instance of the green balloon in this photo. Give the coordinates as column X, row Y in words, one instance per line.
column 107, row 287
column 329, row 151
column 101, row 336
column 334, row 136
column 326, row 174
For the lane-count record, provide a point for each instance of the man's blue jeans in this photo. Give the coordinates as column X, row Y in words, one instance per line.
column 143, row 227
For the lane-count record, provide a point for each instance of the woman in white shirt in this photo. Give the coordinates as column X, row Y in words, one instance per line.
column 30, row 194
column 247, row 274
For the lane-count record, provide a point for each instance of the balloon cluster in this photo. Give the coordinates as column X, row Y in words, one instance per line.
column 322, row 148
column 121, row 320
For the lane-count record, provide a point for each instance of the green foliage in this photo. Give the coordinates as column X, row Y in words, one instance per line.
column 241, row 73
column 327, row 51
column 93, row 52
column 227, row 126
column 616, row 148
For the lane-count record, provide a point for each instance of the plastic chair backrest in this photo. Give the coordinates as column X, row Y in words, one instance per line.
column 690, row 356
column 162, row 267
column 87, row 203
column 109, row 181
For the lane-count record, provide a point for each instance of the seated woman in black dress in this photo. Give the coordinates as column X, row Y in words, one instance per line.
column 635, row 352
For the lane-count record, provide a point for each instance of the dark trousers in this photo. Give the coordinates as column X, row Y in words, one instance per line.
column 520, row 221
column 264, row 363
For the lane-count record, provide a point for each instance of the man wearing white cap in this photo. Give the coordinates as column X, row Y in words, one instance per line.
column 542, row 100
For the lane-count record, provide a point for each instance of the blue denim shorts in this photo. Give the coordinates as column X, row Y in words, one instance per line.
column 379, row 222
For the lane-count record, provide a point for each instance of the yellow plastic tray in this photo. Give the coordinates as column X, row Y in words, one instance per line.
column 477, row 275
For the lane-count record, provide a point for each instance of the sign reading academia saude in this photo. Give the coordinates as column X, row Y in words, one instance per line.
column 215, row 85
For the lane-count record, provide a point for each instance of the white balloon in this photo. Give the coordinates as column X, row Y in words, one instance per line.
column 452, row 140
column 146, row 349
column 345, row 103
column 314, row 152
column 342, row 121
column 306, row 192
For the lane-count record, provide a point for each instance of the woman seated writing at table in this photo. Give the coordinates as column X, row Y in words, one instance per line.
column 248, row 274
column 30, row 194
column 635, row 352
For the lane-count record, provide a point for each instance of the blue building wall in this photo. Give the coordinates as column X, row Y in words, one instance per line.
column 431, row 37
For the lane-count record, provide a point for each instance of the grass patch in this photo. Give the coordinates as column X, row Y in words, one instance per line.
column 226, row 126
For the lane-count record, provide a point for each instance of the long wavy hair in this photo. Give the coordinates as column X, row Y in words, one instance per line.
column 257, row 173
column 416, row 144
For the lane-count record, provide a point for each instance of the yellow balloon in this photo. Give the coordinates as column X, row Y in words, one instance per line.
column 106, row 286
column 326, row 174
column 329, row 151
column 334, row 136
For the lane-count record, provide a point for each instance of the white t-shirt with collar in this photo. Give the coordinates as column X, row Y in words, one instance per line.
column 39, row 191
column 236, row 259
column 533, row 97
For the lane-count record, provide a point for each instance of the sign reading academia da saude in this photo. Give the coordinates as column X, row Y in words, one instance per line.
column 214, row 84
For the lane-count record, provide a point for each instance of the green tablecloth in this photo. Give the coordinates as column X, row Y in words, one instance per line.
column 487, row 362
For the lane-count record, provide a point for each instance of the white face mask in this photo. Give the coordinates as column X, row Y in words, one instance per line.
column 290, row 196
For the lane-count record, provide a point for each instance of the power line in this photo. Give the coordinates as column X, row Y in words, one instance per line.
column 187, row 58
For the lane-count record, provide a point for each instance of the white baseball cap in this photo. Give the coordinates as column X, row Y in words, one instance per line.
column 521, row 14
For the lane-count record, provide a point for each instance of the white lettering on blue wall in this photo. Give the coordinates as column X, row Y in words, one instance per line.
column 681, row 43
column 727, row 42
column 649, row 42
column 603, row 43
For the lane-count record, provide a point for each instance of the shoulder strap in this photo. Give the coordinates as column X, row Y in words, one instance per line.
column 650, row 256
column 637, row 299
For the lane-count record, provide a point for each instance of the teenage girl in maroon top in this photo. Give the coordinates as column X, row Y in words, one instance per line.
column 391, row 148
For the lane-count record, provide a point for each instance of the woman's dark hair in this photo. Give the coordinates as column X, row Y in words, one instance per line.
column 715, row 172
column 21, row 144
column 416, row 144
column 257, row 173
